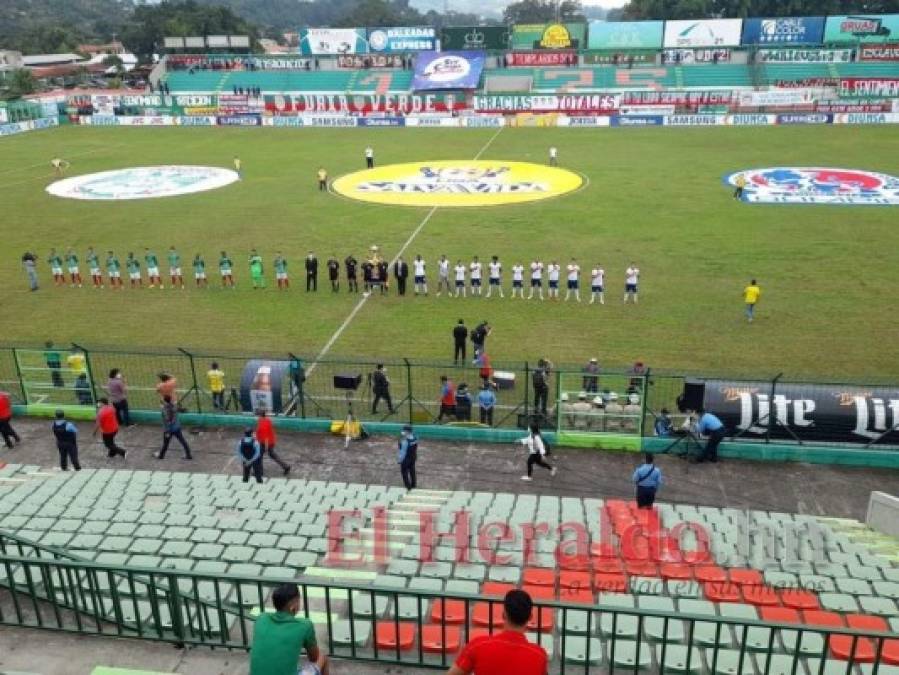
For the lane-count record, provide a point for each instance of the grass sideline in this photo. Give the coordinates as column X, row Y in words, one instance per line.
column 655, row 196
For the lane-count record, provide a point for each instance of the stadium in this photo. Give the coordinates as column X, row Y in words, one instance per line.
column 492, row 288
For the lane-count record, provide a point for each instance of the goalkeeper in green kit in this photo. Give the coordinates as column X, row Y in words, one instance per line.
column 257, row 273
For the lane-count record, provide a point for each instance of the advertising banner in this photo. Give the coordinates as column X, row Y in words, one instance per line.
column 483, row 121
column 285, row 104
column 239, row 120
column 541, row 58
column 358, row 62
column 677, row 98
column 234, row 103
column 588, row 103
column 866, row 118
column 775, row 97
column 807, row 412
column 869, row 106
column 638, row 121
column 688, row 56
column 805, row 118
column 146, row 120
column 31, row 125
column 402, row 40
column 881, row 87
column 324, row 41
column 478, row 38
column 750, row 120
column 198, row 121
column 448, row 70
column 807, row 83
column 424, row 121
column 103, row 104
column 703, row 33
column 804, row 56
column 624, row 35
column 549, row 36
column 694, row 120
column 646, row 110
column 381, row 121
column 885, row 52
column 584, row 121
column 605, row 58
column 808, row 30
column 862, row 28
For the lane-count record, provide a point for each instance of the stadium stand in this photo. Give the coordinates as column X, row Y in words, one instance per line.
column 369, row 81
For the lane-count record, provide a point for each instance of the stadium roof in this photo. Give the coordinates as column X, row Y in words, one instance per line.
column 50, row 59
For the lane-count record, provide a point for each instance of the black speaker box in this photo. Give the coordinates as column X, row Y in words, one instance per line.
column 693, row 396
column 347, row 381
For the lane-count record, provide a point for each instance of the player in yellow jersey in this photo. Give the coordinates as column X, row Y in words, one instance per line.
column 751, row 295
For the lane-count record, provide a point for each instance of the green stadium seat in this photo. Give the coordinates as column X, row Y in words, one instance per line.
column 582, row 650
column 727, row 662
column 679, row 659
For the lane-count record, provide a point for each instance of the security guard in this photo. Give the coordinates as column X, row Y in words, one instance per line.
column 66, row 441
column 407, row 456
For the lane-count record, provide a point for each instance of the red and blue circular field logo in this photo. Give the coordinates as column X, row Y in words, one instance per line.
column 815, row 185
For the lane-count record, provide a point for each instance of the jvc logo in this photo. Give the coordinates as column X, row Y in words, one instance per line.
column 756, row 412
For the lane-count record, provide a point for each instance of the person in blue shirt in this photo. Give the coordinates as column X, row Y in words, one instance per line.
column 487, row 402
column 249, row 453
column 712, row 427
column 407, row 455
column 66, row 441
column 663, row 425
column 647, row 479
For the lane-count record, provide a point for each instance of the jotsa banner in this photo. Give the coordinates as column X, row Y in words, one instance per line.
column 809, row 412
column 448, row 70
column 590, row 103
column 804, row 55
column 871, row 87
column 474, row 37
column 884, row 52
column 332, row 41
column 703, row 33
column 401, row 40
column 541, row 58
column 794, row 30
column 549, row 36
column 624, row 35
column 862, row 28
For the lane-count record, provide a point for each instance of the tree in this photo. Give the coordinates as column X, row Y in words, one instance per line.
column 699, row 9
column 543, row 11
column 20, row 83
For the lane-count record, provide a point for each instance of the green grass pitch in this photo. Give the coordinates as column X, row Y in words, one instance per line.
column 829, row 274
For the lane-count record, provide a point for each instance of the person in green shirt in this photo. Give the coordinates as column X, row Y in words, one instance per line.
column 226, row 270
column 132, row 264
column 280, row 637
column 200, row 271
column 256, row 270
column 113, row 270
column 74, row 271
column 175, row 268
column 93, row 265
column 55, row 262
column 281, row 272
column 152, row 268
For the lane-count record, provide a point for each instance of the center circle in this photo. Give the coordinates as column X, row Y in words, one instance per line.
column 143, row 182
column 456, row 183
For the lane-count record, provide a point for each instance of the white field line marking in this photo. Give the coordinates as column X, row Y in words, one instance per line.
column 76, row 154
column 359, row 305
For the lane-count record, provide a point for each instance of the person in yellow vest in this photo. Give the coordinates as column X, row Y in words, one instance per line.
column 216, row 378
column 238, row 167
column 751, row 295
column 322, row 179
column 740, row 182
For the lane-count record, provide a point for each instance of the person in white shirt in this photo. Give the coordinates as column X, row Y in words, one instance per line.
column 369, row 157
column 553, row 156
column 574, row 281
column 553, row 272
column 518, row 280
column 460, row 278
column 475, row 268
column 496, row 273
column 443, row 276
column 536, row 279
column 597, row 279
column 631, row 278
column 536, row 452
column 418, row 271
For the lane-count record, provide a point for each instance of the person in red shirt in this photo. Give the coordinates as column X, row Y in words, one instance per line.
column 6, row 430
column 265, row 434
column 108, row 426
column 507, row 651
column 447, row 398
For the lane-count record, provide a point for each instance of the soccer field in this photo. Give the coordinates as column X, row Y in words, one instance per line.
column 654, row 196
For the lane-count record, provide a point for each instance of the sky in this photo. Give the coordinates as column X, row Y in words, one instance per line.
column 495, row 7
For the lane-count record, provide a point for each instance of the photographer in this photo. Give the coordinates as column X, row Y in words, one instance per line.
column 380, row 387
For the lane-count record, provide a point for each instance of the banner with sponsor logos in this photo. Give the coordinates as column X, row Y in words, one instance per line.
column 558, row 58
column 866, row 118
column 435, row 121
column 885, row 52
column 361, row 61
column 858, row 106
column 805, row 118
column 588, row 103
column 286, row 104
column 624, row 34
column 862, row 28
column 646, row 110
column 324, row 41
column 881, row 87
column 30, row 125
column 549, row 36
column 788, row 30
column 703, row 33
column 695, row 120
column 807, row 412
column 807, row 82
column 402, row 40
column 804, row 56
column 615, row 58
column 688, row 56
column 750, row 120
column 448, row 70
column 239, row 120
column 637, row 121
column 776, row 97
column 584, row 121
column 492, row 38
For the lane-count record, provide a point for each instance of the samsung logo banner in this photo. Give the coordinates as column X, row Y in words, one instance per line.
column 694, row 120
column 792, row 30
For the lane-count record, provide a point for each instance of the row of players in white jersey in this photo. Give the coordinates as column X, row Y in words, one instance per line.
column 469, row 277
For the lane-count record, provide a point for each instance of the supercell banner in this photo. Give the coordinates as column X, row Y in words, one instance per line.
column 703, row 33
column 884, row 52
column 806, row 30
column 591, row 103
column 879, row 87
column 559, row 58
column 804, row 55
column 448, row 70
column 810, row 412
column 323, row 41
column 624, row 35
column 401, row 40
column 549, row 36
column 862, row 28
column 474, row 37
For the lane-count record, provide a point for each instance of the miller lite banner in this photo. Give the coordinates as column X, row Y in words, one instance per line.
column 830, row 413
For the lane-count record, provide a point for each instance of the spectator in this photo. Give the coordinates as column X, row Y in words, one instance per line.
column 83, row 393
column 407, row 456
column 487, row 403
column 463, row 403
column 536, row 451
column 447, row 398
column 280, row 637
column 66, row 441
column 166, row 386
column 380, row 387
column 508, row 651
column 171, row 428
column 265, row 434
column 663, row 425
column 647, row 479
column 53, row 359
column 107, row 424
column 485, row 370
column 591, row 376
column 311, row 272
column 216, row 379
column 9, row 434
column 460, row 335
column 117, row 389
column 249, row 452
column 540, row 382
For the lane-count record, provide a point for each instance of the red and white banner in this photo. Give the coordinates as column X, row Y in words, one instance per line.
column 888, row 51
column 677, row 98
column 879, row 87
column 285, row 104
column 360, row 61
column 549, row 58
column 883, row 106
column 808, row 82
column 523, row 103
column 234, row 103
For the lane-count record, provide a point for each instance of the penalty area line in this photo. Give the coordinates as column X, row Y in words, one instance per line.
column 359, row 305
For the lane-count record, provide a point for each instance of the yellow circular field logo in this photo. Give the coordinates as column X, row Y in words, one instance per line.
column 457, row 183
